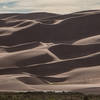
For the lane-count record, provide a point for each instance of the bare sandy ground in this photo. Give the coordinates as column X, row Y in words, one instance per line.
column 50, row 52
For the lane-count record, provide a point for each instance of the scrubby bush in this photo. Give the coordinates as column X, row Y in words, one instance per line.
column 47, row 96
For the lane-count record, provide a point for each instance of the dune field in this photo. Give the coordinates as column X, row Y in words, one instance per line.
column 50, row 52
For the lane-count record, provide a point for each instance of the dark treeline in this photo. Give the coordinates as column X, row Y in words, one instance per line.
column 47, row 96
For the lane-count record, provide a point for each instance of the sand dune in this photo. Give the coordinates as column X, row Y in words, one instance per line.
column 67, row 51
column 88, row 40
column 31, row 16
column 70, row 29
column 45, row 51
column 65, row 66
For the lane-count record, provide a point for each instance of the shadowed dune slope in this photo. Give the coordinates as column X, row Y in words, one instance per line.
column 45, row 48
column 65, row 51
column 67, row 30
column 66, row 65
column 30, row 16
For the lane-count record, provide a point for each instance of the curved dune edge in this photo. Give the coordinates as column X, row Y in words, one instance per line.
column 50, row 52
column 88, row 40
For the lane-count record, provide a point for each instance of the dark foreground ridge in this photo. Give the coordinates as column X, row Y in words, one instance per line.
column 47, row 96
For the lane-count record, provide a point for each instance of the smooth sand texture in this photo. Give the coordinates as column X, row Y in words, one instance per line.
column 50, row 52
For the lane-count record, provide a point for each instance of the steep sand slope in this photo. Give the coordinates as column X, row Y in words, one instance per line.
column 69, row 29
column 88, row 40
column 40, row 49
column 67, row 51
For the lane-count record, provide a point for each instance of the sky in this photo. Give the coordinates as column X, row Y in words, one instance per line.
column 54, row 6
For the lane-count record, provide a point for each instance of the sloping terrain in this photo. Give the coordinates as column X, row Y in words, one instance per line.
column 45, row 51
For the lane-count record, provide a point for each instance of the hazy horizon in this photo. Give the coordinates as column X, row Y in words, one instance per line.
column 54, row 6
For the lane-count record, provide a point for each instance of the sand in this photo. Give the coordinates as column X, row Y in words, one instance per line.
column 50, row 52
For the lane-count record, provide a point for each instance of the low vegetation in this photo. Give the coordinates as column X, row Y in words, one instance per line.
column 47, row 96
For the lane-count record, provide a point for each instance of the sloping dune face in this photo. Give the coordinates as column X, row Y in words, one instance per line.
column 44, row 48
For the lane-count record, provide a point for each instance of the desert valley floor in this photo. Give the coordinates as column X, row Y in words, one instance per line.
column 50, row 52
